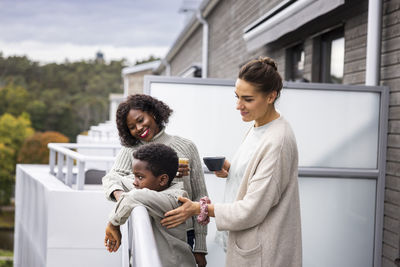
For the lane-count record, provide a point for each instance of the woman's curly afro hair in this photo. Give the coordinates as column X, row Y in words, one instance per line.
column 158, row 109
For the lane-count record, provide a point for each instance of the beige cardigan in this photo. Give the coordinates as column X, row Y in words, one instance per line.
column 264, row 221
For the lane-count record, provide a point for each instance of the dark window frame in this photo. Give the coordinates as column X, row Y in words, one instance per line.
column 291, row 62
column 322, row 47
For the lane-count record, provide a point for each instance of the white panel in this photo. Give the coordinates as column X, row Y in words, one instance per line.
column 215, row 188
column 77, row 219
column 205, row 114
column 78, row 257
column 333, row 128
column 57, row 226
column 337, row 221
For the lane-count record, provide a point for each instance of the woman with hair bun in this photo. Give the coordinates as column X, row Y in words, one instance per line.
column 141, row 120
column 262, row 210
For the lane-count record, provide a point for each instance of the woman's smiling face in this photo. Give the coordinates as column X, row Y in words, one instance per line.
column 142, row 125
column 252, row 104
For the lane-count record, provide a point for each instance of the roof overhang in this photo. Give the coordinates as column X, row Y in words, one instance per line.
column 205, row 8
column 286, row 17
column 141, row 67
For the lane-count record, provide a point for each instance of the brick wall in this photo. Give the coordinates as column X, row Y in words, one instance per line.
column 390, row 76
column 227, row 52
column 190, row 53
column 355, row 34
column 136, row 80
column 227, row 47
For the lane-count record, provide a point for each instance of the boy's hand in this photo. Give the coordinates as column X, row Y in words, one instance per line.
column 200, row 259
column 112, row 241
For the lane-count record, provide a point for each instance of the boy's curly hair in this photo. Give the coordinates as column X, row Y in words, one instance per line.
column 156, row 108
column 161, row 159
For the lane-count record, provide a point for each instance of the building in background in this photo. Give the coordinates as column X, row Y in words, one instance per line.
column 321, row 41
column 133, row 76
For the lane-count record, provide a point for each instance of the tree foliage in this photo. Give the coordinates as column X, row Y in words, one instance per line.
column 147, row 60
column 67, row 98
column 13, row 131
column 34, row 150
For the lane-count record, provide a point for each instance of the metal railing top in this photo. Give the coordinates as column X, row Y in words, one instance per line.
column 64, row 156
column 144, row 248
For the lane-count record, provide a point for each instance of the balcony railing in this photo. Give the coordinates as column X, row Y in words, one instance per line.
column 66, row 163
column 144, row 249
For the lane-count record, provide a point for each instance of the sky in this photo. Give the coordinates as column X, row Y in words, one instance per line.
column 55, row 30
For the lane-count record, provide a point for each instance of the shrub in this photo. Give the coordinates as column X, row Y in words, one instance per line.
column 34, row 150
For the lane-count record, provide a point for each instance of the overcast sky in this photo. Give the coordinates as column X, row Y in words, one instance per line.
column 53, row 30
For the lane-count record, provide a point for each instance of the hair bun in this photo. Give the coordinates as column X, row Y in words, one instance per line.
column 269, row 61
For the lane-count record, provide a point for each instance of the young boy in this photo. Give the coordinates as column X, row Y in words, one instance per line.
column 154, row 168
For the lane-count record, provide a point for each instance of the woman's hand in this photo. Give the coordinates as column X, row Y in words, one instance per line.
column 223, row 173
column 179, row 215
column 183, row 170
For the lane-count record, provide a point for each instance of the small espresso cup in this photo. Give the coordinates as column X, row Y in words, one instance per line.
column 214, row 163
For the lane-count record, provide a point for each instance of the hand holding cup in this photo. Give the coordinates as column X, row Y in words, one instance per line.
column 224, row 172
column 183, row 169
column 218, row 165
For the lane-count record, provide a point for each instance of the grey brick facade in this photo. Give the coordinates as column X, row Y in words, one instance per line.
column 227, row 52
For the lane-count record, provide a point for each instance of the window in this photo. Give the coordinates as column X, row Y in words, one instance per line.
column 295, row 63
column 328, row 64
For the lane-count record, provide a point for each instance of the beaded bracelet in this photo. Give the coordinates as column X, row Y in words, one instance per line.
column 203, row 217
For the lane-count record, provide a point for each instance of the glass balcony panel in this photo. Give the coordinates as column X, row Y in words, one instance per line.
column 333, row 128
column 338, row 218
column 205, row 114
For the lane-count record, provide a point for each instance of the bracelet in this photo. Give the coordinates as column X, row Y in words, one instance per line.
column 203, row 217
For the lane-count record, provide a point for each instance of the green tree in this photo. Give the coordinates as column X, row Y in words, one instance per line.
column 146, row 60
column 13, row 99
column 13, row 131
column 67, row 98
column 37, row 111
column 7, row 167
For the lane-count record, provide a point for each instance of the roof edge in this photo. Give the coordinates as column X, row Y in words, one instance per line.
column 141, row 67
column 205, row 8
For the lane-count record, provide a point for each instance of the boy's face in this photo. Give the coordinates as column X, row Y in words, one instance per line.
column 144, row 178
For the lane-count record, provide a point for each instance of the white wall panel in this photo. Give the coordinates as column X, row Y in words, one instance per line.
column 205, row 114
column 333, row 128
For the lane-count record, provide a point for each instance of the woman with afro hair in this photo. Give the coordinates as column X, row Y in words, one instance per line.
column 141, row 120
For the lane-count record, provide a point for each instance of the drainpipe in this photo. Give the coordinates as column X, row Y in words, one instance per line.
column 204, row 60
column 372, row 71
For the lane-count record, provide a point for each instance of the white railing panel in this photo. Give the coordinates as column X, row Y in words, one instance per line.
column 144, row 248
column 56, row 226
column 63, row 154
